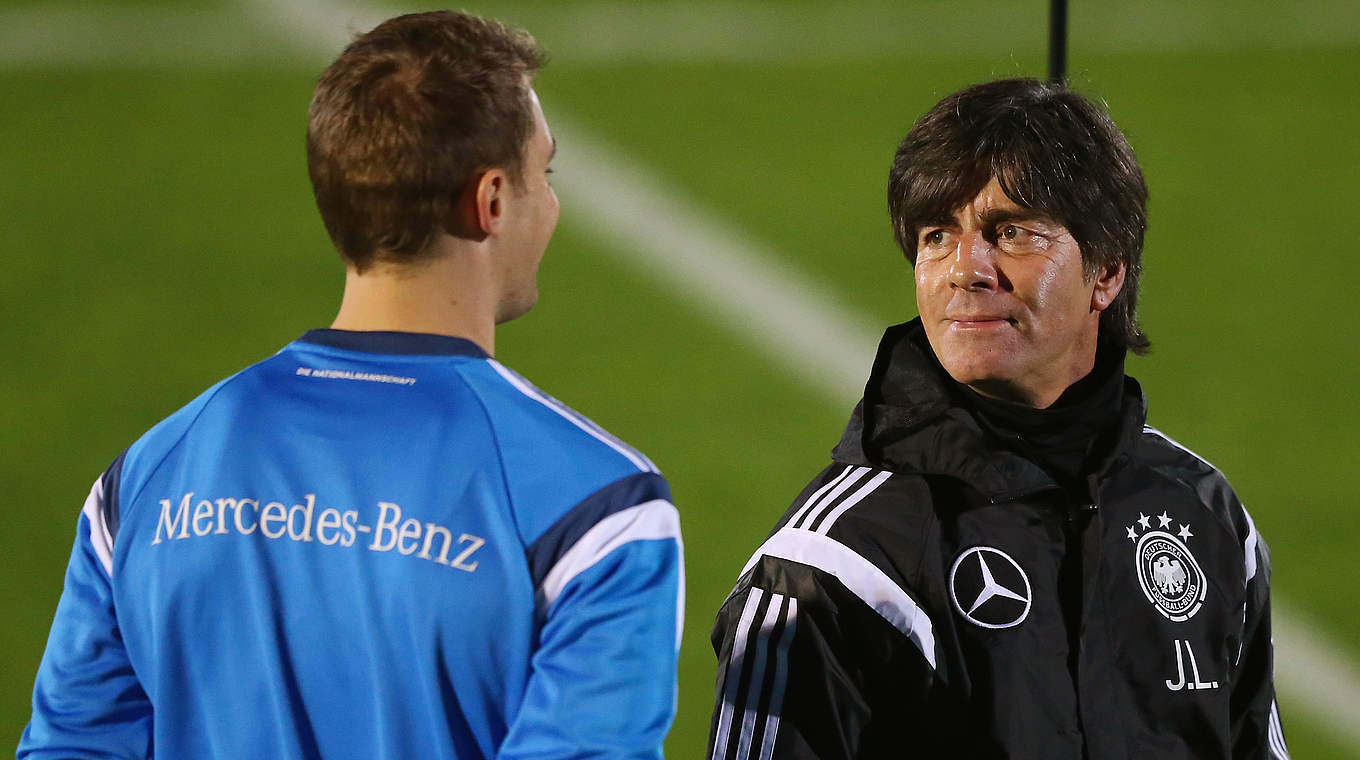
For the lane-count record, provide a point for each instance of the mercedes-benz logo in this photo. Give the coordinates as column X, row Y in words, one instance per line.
column 989, row 588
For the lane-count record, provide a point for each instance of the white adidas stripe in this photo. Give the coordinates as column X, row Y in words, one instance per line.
column 854, row 499
column 731, row 682
column 818, row 494
column 757, row 679
column 764, row 663
column 781, row 678
column 1276, row 733
column 810, row 510
column 860, row 576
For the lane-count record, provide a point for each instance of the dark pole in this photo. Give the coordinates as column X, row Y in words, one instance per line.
column 1057, row 41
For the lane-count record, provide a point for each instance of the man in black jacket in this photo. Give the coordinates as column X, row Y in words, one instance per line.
column 1003, row 559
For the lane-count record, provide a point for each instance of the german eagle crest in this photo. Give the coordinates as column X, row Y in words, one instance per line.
column 1167, row 571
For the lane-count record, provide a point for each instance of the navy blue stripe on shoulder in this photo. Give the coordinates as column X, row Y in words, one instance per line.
column 623, row 493
column 110, row 481
column 386, row 342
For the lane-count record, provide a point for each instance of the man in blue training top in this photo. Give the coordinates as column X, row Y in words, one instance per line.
column 380, row 542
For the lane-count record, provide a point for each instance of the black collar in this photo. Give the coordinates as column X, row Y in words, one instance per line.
column 1068, row 438
column 912, row 419
column 386, row 342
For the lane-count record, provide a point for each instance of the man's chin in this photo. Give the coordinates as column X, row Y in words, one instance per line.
column 516, row 308
column 988, row 374
column 974, row 354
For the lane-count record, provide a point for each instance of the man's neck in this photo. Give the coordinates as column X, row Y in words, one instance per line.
column 1069, row 436
column 1043, row 389
column 449, row 294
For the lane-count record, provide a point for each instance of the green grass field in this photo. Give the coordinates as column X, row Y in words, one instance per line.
column 159, row 234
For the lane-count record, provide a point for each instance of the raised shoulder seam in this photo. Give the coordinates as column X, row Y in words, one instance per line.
column 1240, row 523
column 496, row 445
column 1206, row 468
column 573, row 417
column 1151, row 433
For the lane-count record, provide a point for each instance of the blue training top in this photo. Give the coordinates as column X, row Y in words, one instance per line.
column 377, row 545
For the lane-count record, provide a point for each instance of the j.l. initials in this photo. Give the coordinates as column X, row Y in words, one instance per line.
column 1181, row 681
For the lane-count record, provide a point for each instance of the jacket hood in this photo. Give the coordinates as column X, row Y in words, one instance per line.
column 911, row 420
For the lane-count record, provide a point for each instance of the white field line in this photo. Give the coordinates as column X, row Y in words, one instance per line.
column 1315, row 677
column 127, row 36
column 741, row 30
column 780, row 312
column 721, row 30
column 791, row 319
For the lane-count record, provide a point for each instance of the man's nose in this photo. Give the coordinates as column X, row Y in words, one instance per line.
column 973, row 265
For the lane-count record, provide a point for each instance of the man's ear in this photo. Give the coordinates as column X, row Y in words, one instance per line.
column 478, row 208
column 491, row 192
column 1107, row 286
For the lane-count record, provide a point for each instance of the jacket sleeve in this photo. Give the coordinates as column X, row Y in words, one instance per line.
column 1256, row 728
column 807, row 668
column 603, row 682
column 87, row 701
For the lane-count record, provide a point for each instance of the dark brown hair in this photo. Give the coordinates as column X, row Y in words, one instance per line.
column 1052, row 150
column 404, row 118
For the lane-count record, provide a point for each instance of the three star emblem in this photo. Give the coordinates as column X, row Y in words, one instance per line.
column 1163, row 522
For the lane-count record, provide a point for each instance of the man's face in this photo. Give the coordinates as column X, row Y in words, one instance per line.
column 535, row 209
column 1004, row 300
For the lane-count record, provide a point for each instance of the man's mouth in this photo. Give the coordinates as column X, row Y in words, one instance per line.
column 979, row 321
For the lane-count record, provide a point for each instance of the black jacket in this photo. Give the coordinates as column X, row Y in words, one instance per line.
column 934, row 594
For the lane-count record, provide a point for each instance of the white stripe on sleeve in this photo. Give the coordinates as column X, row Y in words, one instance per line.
column 781, row 679
column 654, row 520
column 797, row 516
column 100, row 538
column 859, row 575
column 1276, row 733
column 732, row 675
column 1249, row 547
column 810, row 510
column 854, row 499
column 753, row 643
column 757, row 680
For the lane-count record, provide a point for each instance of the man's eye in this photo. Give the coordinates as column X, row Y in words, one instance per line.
column 933, row 238
column 1016, row 238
